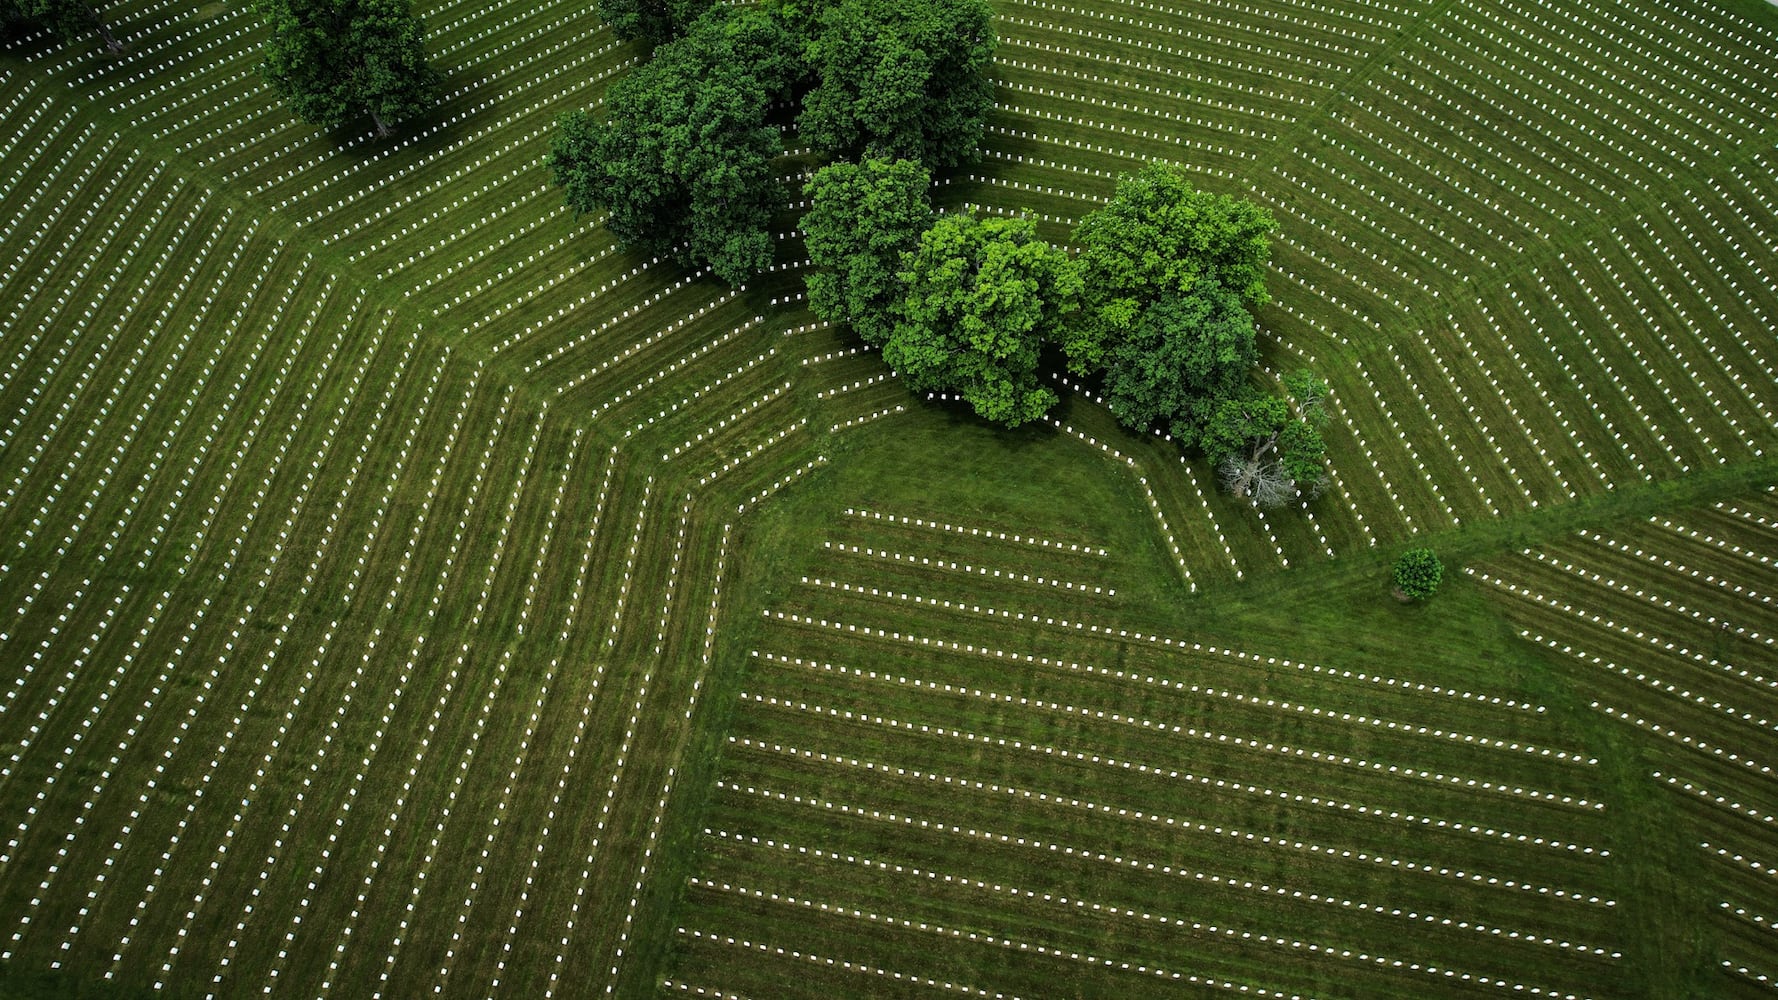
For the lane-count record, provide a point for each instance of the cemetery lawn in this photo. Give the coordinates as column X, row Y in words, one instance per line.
column 403, row 590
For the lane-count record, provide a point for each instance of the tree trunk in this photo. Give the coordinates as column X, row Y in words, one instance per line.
column 112, row 45
column 383, row 129
column 1259, row 451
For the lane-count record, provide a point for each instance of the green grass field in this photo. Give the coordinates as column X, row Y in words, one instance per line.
column 403, row 591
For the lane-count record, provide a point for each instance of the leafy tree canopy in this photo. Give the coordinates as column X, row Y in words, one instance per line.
column 332, row 60
column 67, row 18
column 981, row 294
column 1262, row 450
column 682, row 166
column 654, row 22
column 862, row 217
column 900, row 79
column 1157, row 239
column 1182, row 357
column 1417, row 574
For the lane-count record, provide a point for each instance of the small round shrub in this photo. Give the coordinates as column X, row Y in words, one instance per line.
column 1417, row 575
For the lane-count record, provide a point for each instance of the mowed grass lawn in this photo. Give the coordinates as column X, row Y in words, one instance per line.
column 403, row 591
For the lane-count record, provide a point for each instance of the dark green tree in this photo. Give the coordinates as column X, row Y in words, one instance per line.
column 981, row 297
column 862, row 217
column 1262, row 450
column 683, row 164
column 333, row 60
column 1417, row 575
column 1159, row 238
column 67, row 18
column 905, row 79
column 1185, row 354
column 654, row 22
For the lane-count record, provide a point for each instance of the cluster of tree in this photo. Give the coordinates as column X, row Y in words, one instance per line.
column 681, row 162
column 333, row 61
column 67, row 18
column 1172, row 276
column 957, row 303
column 1157, row 306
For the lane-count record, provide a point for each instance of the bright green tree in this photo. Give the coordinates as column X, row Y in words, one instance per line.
column 862, row 217
column 683, row 164
column 333, row 60
column 654, row 22
column 981, row 297
column 902, row 79
column 1417, row 575
column 1265, row 452
column 67, row 18
column 1159, row 238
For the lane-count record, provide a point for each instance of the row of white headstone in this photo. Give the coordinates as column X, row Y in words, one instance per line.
column 320, row 651
column 1230, row 882
column 1359, row 720
column 1416, row 690
column 495, row 680
column 1723, row 50
column 1170, row 70
column 1200, row 41
column 897, row 557
column 243, row 810
column 97, row 301
column 1178, row 823
column 50, row 219
column 662, row 332
column 1644, row 593
column 406, row 671
column 1637, row 673
column 172, row 665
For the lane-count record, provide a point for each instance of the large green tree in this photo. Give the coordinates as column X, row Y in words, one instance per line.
column 1184, row 355
column 333, row 60
column 654, row 22
column 1160, row 238
column 67, row 18
column 900, row 79
column 862, row 217
column 981, row 297
column 683, row 164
